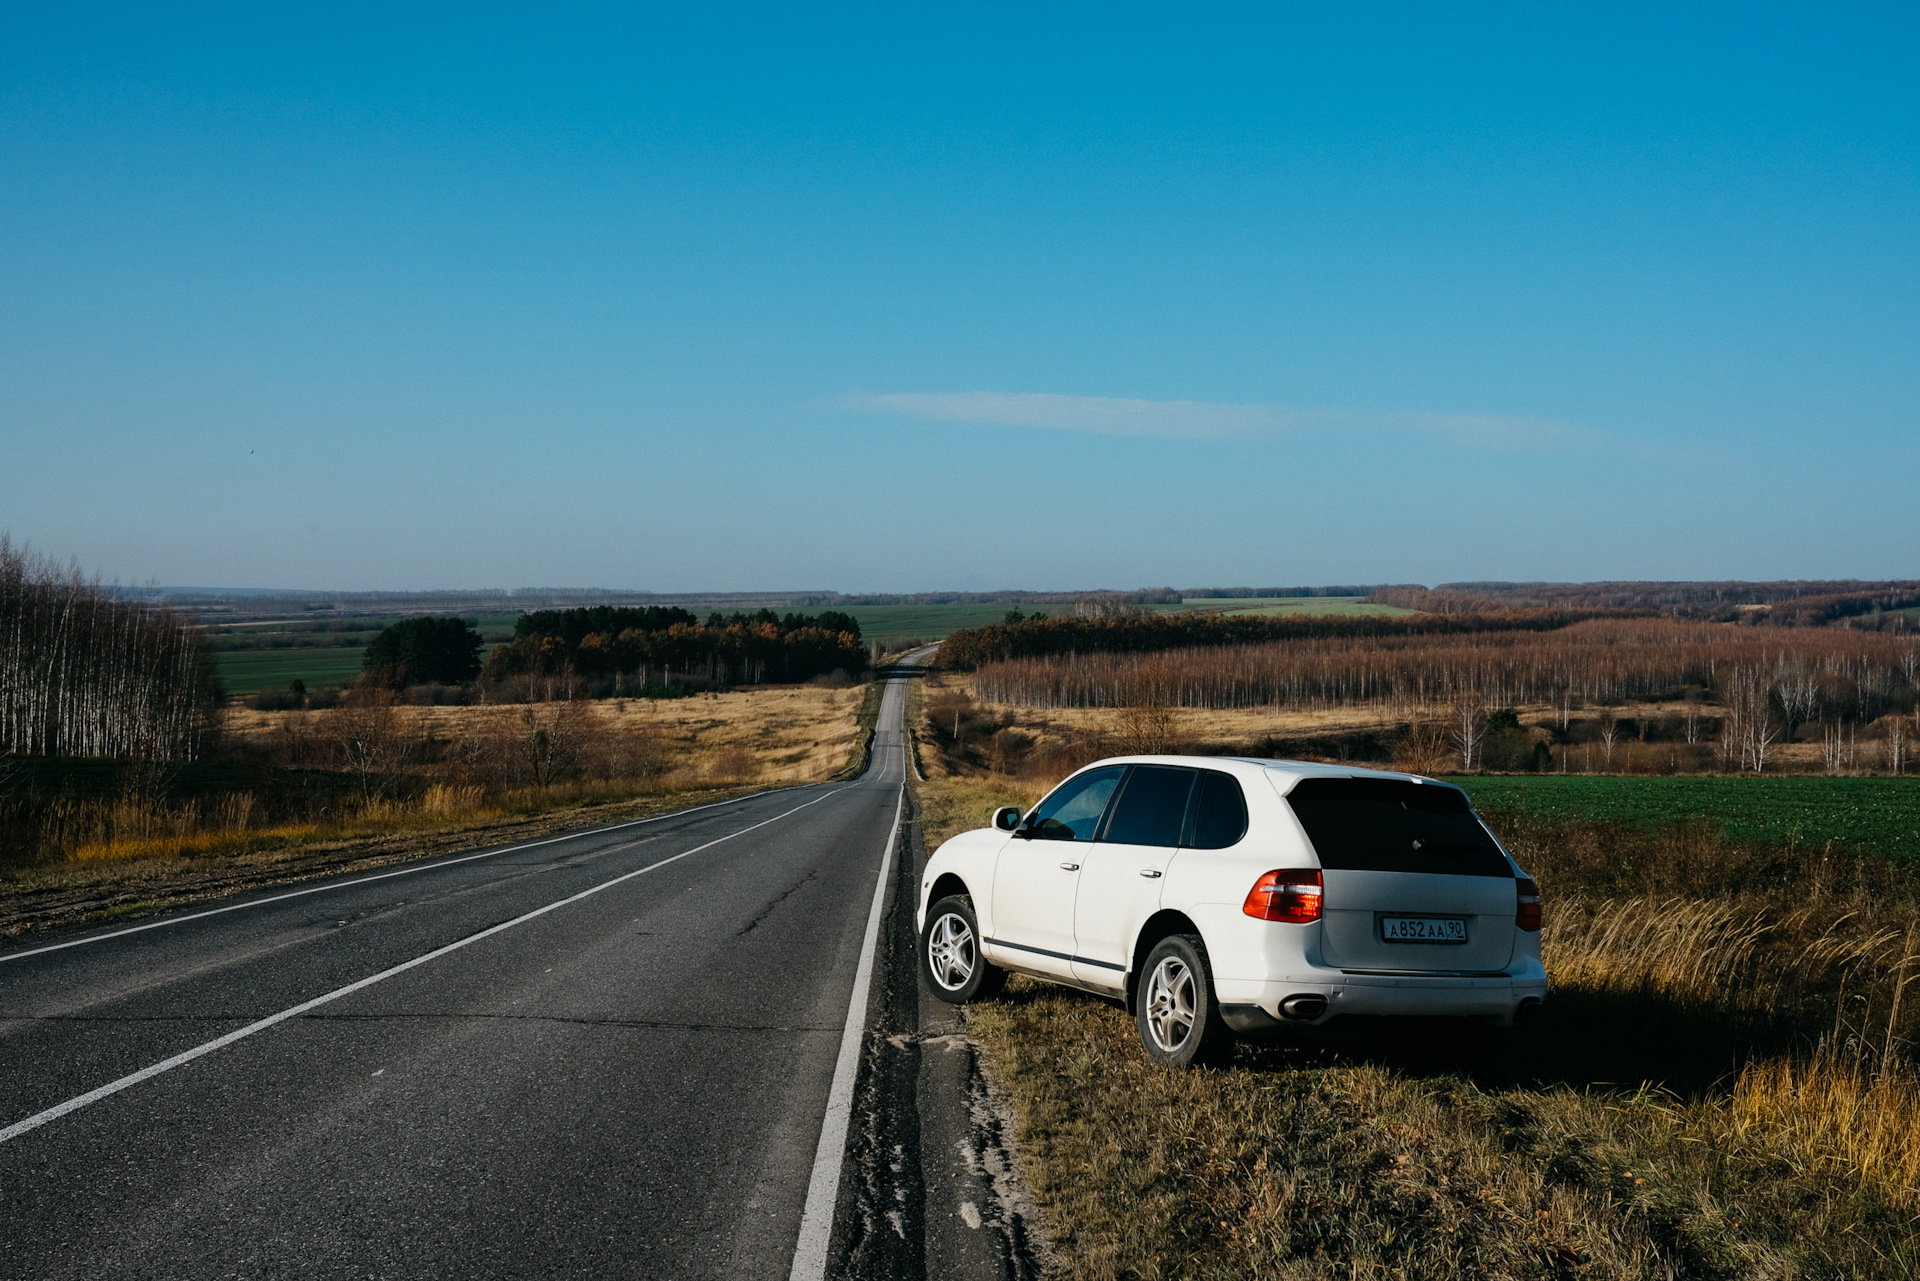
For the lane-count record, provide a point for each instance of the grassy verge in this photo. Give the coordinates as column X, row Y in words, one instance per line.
column 113, row 837
column 1721, row 1088
column 865, row 720
column 913, row 714
column 79, row 890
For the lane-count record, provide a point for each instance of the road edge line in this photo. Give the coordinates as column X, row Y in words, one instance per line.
column 823, row 1188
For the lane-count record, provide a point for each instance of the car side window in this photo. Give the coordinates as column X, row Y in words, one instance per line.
column 1072, row 812
column 1219, row 812
column 1152, row 807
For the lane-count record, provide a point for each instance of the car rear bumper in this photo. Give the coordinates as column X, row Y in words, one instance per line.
column 1249, row 1005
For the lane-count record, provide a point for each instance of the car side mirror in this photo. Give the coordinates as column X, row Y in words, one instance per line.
column 1006, row 818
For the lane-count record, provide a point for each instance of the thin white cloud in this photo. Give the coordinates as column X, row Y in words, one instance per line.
column 1205, row 420
column 1490, row 431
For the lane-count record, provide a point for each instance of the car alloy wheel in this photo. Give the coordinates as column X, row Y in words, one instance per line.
column 1170, row 1005
column 1179, row 1019
column 951, row 952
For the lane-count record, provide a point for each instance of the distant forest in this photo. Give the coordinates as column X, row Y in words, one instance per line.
column 1792, row 603
column 1142, row 633
column 633, row 649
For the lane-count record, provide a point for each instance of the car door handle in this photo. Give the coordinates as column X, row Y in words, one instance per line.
column 1151, row 873
column 1069, row 867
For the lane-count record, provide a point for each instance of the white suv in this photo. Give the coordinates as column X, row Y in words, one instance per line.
column 1218, row 895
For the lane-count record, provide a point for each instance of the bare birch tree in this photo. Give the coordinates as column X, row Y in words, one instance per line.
column 1468, row 727
column 86, row 673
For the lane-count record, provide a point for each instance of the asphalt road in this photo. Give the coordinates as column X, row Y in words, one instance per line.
column 608, row 1054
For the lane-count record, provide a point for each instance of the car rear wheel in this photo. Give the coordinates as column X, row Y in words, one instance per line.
column 950, row 954
column 1180, row 1023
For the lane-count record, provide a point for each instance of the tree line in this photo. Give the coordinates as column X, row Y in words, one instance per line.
column 83, row 673
column 1792, row 603
column 657, row 646
column 1803, row 675
column 1144, row 633
column 428, row 650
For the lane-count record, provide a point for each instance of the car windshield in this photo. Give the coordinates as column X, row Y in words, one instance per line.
column 1384, row 825
column 1073, row 812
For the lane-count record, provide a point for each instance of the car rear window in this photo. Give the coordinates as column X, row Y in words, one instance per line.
column 1383, row 825
column 1152, row 807
column 1220, row 813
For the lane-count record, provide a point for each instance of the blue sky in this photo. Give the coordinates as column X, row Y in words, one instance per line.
column 903, row 298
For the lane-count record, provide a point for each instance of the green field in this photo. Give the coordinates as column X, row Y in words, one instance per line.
column 1879, row 814
column 271, row 655
column 891, row 624
column 249, row 671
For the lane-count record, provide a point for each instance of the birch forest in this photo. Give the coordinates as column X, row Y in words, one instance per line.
column 1812, row 674
column 85, row 674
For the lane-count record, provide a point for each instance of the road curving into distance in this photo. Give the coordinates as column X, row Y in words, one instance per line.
column 623, row 1052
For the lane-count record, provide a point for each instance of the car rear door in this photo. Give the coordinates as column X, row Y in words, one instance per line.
column 1412, row 882
column 1120, row 882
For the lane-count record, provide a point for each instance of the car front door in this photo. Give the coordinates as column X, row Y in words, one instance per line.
column 1038, row 872
column 1121, row 876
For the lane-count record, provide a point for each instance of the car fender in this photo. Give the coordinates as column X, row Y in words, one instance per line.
column 1210, row 887
column 970, row 856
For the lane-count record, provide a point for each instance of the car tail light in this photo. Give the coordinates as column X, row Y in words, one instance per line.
column 1527, row 912
column 1291, row 894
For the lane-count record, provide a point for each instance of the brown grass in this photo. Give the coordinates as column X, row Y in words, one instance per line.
column 1310, row 1161
column 627, row 756
column 1721, row 1087
column 789, row 733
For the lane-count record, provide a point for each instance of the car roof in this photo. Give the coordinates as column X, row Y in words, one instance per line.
column 1288, row 772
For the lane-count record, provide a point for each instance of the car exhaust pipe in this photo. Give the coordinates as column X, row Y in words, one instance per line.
column 1528, row 1011
column 1303, row 1009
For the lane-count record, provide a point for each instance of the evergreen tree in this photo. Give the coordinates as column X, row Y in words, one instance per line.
column 417, row 651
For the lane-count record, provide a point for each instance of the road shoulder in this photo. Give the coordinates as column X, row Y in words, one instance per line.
column 932, row 1187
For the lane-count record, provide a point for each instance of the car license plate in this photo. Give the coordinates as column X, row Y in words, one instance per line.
column 1423, row 929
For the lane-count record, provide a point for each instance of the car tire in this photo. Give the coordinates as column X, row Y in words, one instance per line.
column 950, row 955
column 1177, row 1013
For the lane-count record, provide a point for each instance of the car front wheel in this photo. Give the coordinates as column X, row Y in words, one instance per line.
column 1180, row 1023
column 950, row 954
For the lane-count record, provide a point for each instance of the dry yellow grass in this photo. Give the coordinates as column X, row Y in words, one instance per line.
column 1196, row 729
column 630, row 757
column 1824, row 1114
column 788, row 734
column 783, row 735
column 1376, row 1157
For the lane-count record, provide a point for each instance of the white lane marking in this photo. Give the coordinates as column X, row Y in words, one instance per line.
column 59, row 1110
column 365, row 880
column 816, row 1220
